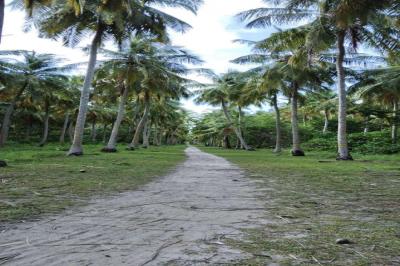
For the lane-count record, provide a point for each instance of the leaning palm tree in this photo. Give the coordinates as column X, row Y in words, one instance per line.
column 218, row 94
column 333, row 23
column 26, row 73
column 117, row 20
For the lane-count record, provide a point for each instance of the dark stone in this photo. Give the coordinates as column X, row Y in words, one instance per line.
column 348, row 158
column 75, row 154
column 82, row 171
column 108, row 150
column 298, row 153
column 343, row 241
column 3, row 163
column 130, row 148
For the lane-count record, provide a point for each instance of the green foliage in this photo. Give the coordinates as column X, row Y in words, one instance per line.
column 370, row 143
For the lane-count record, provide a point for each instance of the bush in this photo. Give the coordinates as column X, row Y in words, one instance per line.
column 378, row 142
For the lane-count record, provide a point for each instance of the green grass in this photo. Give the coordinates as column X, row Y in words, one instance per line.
column 312, row 201
column 41, row 181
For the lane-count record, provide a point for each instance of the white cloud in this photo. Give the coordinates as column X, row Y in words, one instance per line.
column 214, row 29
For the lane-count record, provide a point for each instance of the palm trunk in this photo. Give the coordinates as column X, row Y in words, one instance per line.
column 28, row 128
column 146, row 135
column 160, row 136
column 296, row 150
column 278, row 145
column 343, row 149
column 64, row 128
column 71, row 130
column 395, row 122
column 326, row 122
column 93, row 133
column 237, row 132
column 155, row 136
column 112, row 142
column 76, row 147
column 45, row 124
column 104, row 133
column 135, row 141
column 2, row 7
column 5, row 125
column 240, row 124
column 366, row 125
column 227, row 144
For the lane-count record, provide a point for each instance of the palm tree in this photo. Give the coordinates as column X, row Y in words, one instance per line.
column 68, row 103
column 286, row 67
column 29, row 72
column 334, row 23
column 116, row 19
column 218, row 94
column 160, row 70
column 382, row 85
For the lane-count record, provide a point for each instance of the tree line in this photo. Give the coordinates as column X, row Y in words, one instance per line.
column 303, row 64
column 138, row 84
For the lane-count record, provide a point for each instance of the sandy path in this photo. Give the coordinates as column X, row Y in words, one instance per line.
column 180, row 219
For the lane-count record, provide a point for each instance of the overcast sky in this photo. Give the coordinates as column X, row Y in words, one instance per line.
column 214, row 29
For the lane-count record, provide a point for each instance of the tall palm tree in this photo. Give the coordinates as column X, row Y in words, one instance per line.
column 118, row 20
column 334, row 22
column 285, row 66
column 28, row 71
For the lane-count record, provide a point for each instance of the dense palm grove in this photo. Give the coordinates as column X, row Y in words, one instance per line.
column 295, row 71
column 132, row 94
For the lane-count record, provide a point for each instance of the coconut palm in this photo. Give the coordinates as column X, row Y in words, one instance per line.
column 68, row 103
column 27, row 71
column 116, row 20
column 218, row 94
column 286, row 67
column 333, row 24
column 382, row 85
column 160, row 69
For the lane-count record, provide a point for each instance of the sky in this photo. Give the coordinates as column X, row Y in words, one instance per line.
column 211, row 37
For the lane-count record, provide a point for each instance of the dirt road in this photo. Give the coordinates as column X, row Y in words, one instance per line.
column 179, row 219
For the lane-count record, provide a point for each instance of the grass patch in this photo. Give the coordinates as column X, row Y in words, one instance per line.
column 42, row 181
column 312, row 201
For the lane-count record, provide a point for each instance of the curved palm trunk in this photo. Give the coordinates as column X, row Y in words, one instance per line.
column 296, row 150
column 76, row 147
column 343, row 149
column 230, row 123
column 326, row 122
column 45, row 124
column 5, row 125
column 278, row 147
column 135, row 141
column 64, row 128
column 112, row 142
column 395, row 122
